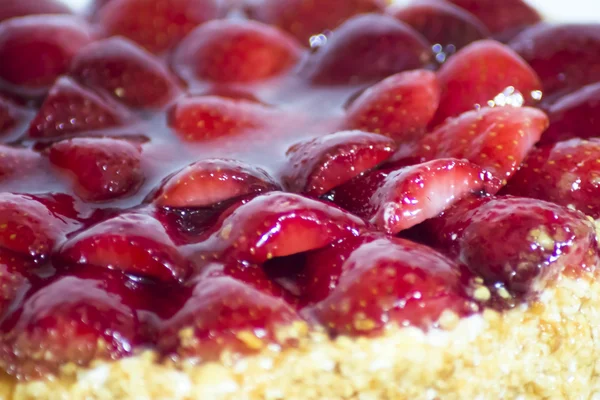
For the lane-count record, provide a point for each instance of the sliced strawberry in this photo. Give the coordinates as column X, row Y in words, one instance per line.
column 519, row 244
column 504, row 18
column 134, row 243
column 498, row 139
column 102, row 168
column 156, row 25
column 368, row 48
column 29, row 228
column 225, row 314
column 71, row 320
column 17, row 162
column 316, row 166
column 566, row 173
column 21, row 8
column 485, row 73
column 441, row 23
column 235, row 51
column 13, row 271
column 576, row 115
column 209, row 182
column 392, row 280
column 202, row 118
column 565, row 57
column 400, row 106
column 275, row 225
column 127, row 72
column 36, row 49
column 304, row 19
column 70, row 108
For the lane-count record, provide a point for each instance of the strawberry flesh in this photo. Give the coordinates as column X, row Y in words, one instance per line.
column 21, row 8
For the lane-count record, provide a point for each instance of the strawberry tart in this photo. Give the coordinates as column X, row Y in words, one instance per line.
column 298, row 200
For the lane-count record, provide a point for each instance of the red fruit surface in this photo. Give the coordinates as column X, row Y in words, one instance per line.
column 202, row 118
column 36, row 49
column 235, row 51
column 224, row 313
column 399, row 107
column 566, row 173
column 71, row 108
column 480, row 74
column 17, row 162
column 126, row 71
column 208, row 182
column 277, row 224
column 316, row 166
column 441, row 23
column 102, row 168
column 565, row 57
column 497, row 139
column 157, row 25
column 13, row 271
column 392, row 280
column 368, row 48
column 304, row 19
column 133, row 243
column 21, row 8
column 73, row 319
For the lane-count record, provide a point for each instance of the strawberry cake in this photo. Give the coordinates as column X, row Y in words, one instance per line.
column 298, row 200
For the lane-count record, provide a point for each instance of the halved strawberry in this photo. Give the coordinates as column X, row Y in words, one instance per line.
column 134, row 243
column 14, row 268
column 441, row 23
column 565, row 56
column 17, row 162
column 304, row 19
column 400, row 106
column 36, row 49
column 225, row 314
column 157, row 25
column 102, row 168
column 316, row 166
column 277, row 224
column 367, row 48
column 485, row 72
column 126, row 71
column 21, row 8
column 235, row 51
column 566, row 173
column 212, row 181
column 576, row 115
column 202, row 118
column 71, row 320
column 71, row 108
column 497, row 139
column 392, row 280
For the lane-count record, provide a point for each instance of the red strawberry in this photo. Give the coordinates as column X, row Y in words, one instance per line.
column 36, row 49
column 29, row 228
column 13, row 271
column 275, row 225
column 134, row 243
column 565, row 57
column 498, row 139
column 235, row 51
column 127, row 72
column 400, row 106
column 485, row 72
column 102, row 168
column 368, row 48
column 304, row 19
column 574, row 115
column 17, row 162
column 203, row 118
column 316, row 166
column 518, row 244
column 442, row 24
column 209, row 182
column 21, row 8
column 71, row 320
column 225, row 314
column 70, row 108
column 156, row 25
column 566, row 173
column 392, row 280
column 504, row 18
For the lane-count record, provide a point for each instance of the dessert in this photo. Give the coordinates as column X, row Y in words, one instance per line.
column 294, row 199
